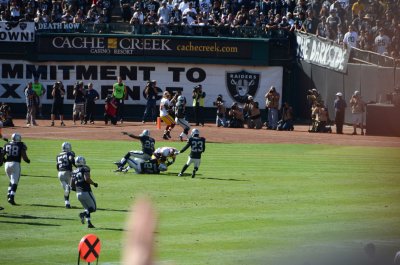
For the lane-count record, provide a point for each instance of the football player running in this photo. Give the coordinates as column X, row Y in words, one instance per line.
column 65, row 161
column 14, row 151
column 165, row 156
column 147, row 149
column 80, row 182
column 180, row 113
column 197, row 146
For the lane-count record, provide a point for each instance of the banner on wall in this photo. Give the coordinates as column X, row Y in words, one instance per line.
column 144, row 46
column 17, row 31
column 234, row 83
column 322, row 52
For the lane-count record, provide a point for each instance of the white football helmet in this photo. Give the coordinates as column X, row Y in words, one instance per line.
column 181, row 100
column 162, row 167
column 80, row 161
column 195, row 132
column 145, row 133
column 66, row 147
column 16, row 137
column 166, row 152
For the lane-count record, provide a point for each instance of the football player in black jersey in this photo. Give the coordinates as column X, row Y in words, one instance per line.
column 145, row 167
column 147, row 148
column 197, row 146
column 80, row 182
column 14, row 151
column 65, row 161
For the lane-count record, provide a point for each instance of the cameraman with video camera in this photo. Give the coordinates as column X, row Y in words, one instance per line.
column 198, row 104
column 357, row 109
column 150, row 92
column 58, row 94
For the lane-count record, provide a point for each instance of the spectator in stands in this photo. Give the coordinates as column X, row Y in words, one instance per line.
column 284, row 24
column 333, row 22
column 15, row 11
column 382, row 42
column 163, row 12
column 310, row 24
column 79, row 17
column 189, row 14
column 350, row 38
column 126, row 10
column 137, row 20
column 357, row 7
column 365, row 41
column 322, row 28
column 3, row 16
column 152, row 5
column 176, row 15
column 67, row 18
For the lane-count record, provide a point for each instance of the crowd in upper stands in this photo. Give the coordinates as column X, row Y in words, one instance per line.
column 371, row 25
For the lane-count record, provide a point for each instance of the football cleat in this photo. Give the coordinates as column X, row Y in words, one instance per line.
column 1, row 208
column 193, row 174
column 62, row 124
column 90, row 225
column 52, row 123
column 82, row 217
column 165, row 137
column 68, row 206
column 11, row 201
column 180, row 175
column 168, row 133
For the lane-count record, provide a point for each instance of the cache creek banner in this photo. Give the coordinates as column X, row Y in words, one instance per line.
column 322, row 52
column 143, row 46
column 235, row 83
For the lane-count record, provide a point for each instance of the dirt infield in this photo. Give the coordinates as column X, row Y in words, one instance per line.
column 99, row 131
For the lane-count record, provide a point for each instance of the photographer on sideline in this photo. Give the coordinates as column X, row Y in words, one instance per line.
column 221, row 112
column 58, row 94
column 272, row 105
column 198, row 104
column 357, row 109
column 150, row 93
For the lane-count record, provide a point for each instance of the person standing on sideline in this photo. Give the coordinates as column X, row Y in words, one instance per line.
column 340, row 108
column 119, row 93
column 180, row 117
column 91, row 96
column 148, row 144
column 272, row 104
column 58, row 94
column 65, row 161
column 40, row 91
column 81, row 182
column 150, row 93
column 197, row 146
column 165, row 109
column 30, row 105
column 14, row 151
column 357, row 109
column 198, row 104
column 79, row 103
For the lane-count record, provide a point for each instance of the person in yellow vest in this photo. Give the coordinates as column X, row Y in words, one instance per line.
column 40, row 91
column 198, row 104
column 119, row 93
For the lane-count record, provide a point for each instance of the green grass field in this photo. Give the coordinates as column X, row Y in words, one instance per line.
column 249, row 204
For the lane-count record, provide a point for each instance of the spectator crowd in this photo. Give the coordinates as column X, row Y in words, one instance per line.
column 366, row 24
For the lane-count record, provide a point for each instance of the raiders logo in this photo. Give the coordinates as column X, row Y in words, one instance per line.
column 242, row 84
column 23, row 25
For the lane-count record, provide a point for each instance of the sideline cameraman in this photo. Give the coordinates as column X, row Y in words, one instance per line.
column 272, row 104
column 58, row 93
column 357, row 109
column 221, row 112
column 150, row 93
column 198, row 104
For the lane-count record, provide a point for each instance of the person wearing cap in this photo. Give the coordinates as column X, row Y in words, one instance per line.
column 91, row 96
column 248, row 105
column 165, row 110
column 221, row 112
column 150, row 93
column 79, row 103
column 40, row 91
column 58, row 94
column 357, row 109
column 272, row 105
column 340, row 107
